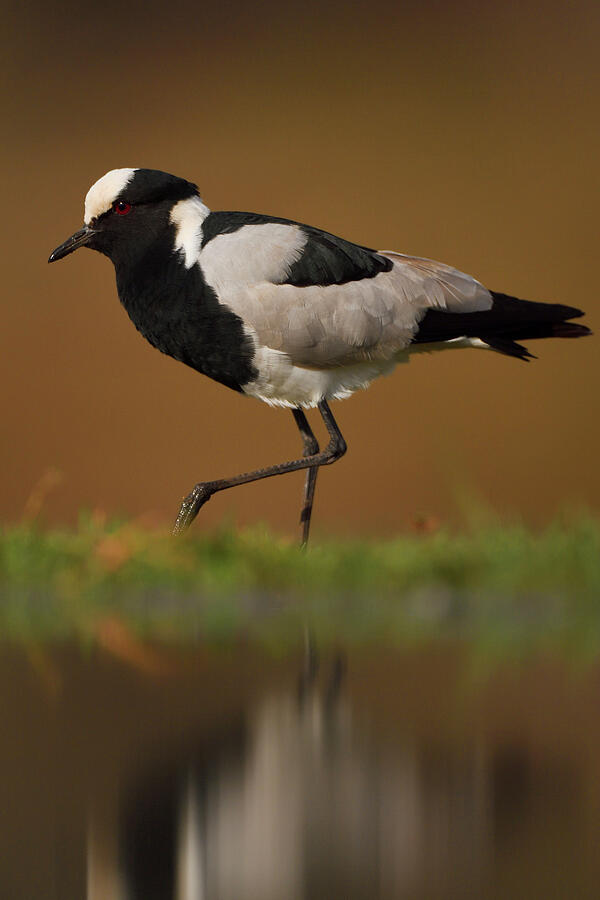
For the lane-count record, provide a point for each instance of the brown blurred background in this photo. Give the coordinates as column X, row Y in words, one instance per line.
column 461, row 131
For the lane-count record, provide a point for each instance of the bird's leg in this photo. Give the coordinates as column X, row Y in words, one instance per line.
column 205, row 489
column 311, row 446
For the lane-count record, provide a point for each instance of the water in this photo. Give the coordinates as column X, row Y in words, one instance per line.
column 234, row 775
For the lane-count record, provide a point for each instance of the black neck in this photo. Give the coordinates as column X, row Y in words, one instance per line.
column 180, row 314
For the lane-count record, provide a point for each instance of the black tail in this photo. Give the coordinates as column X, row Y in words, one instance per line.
column 508, row 321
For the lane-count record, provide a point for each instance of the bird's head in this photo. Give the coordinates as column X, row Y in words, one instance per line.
column 128, row 210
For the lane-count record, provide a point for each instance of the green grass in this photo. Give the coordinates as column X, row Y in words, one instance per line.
column 499, row 584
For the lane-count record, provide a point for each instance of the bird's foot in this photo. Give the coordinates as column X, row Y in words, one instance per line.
column 192, row 504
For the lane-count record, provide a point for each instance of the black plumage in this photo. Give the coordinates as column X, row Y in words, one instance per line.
column 179, row 314
column 508, row 321
column 326, row 259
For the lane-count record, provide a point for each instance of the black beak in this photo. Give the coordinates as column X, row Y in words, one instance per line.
column 79, row 239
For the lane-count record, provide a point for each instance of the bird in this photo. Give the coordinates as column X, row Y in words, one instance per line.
column 284, row 312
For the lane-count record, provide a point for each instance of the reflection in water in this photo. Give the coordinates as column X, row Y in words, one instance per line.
column 278, row 803
column 214, row 779
column 302, row 806
column 299, row 804
column 191, row 856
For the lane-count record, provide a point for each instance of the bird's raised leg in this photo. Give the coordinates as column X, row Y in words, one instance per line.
column 311, row 447
column 205, row 489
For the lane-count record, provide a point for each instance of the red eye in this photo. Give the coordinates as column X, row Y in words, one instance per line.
column 121, row 207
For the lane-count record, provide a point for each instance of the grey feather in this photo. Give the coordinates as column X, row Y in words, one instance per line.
column 337, row 324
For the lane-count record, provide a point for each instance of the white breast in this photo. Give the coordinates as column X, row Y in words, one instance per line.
column 281, row 383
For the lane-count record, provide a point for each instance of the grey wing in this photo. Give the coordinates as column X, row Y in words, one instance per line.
column 330, row 324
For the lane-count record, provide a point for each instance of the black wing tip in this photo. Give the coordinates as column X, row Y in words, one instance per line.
column 508, row 348
column 509, row 321
column 557, row 311
column 571, row 330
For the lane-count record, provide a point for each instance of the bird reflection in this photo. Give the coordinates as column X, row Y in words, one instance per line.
column 293, row 802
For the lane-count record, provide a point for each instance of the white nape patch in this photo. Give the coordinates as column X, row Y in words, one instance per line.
column 250, row 256
column 187, row 216
column 105, row 191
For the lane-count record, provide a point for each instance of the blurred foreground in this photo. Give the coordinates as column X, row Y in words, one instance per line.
column 498, row 584
column 207, row 774
column 169, row 733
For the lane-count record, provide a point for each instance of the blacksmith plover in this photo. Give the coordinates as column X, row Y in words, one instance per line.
column 286, row 312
